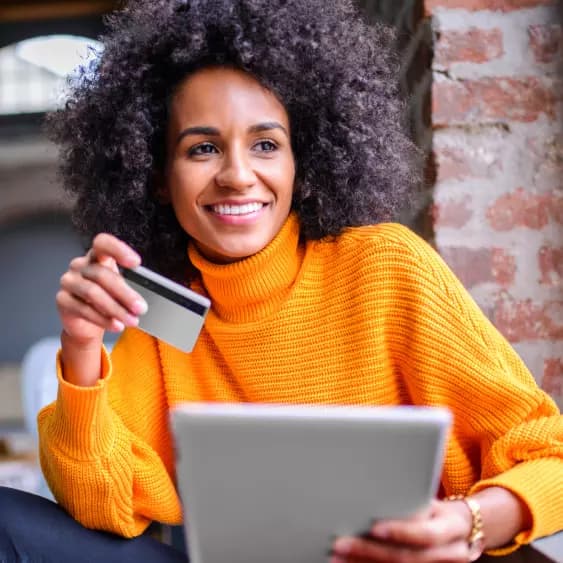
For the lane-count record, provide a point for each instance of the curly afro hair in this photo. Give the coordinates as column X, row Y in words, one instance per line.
column 336, row 75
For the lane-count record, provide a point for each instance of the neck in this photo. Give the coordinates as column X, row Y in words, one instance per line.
column 255, row 286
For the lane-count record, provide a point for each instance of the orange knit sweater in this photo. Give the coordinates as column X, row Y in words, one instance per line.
column 373, row 317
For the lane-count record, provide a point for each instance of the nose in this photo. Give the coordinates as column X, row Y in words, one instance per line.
column 236, row 171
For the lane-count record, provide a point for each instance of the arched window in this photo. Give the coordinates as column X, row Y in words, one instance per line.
column 34, row 71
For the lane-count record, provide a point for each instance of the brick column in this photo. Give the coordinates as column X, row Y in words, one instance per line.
column 498, row 150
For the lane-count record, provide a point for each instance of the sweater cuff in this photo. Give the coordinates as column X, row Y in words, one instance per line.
column 81, row 424
column 541, row 496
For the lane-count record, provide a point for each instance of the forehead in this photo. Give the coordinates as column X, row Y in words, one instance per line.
column 223, row 96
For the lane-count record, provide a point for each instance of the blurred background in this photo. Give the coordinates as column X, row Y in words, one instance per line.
column 484, row 88
column 41, row 43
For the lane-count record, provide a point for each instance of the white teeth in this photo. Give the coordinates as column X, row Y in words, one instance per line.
column 237, row 209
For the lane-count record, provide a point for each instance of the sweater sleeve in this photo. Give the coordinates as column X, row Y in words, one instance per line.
column 505, row 426
column 106, row 450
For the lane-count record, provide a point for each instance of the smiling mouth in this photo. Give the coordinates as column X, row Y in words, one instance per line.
column 244, row 209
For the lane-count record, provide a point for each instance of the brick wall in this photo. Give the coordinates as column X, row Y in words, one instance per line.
column 498, row 151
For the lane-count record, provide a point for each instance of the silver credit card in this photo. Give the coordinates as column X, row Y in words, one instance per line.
column 175, row 314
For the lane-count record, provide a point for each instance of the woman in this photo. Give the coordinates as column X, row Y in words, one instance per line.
column 253, row 150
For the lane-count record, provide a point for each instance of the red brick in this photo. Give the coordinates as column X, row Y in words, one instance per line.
column 546, row 155
column 527, row 320
column 519, row 209
column 471, row 266
column 452, row 163
column 481, row 265
column 556, row 208
column 452, row 213
column 551, row 266
column 475, row 5
column 473, row 45
column 552, row 381
column 460, row 162
column 491, row 99
column 503, row 267
column 545, row 41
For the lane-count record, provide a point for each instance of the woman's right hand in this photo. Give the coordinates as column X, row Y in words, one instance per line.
column 93, row 298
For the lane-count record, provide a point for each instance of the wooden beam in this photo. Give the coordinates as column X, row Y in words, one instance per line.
column 48, row 10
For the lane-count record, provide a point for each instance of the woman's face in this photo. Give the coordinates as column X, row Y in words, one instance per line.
column 230, row 169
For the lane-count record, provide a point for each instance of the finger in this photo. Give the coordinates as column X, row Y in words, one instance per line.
column 106, row 246
column 426, row 512
column 357, row 550
column 70, row 305
column 76, row 264
column 110, row 279
column 380, row 527
column 117, row 287
column 354, row 549
column 90, row 258
column 101, row 295
column 438, row 528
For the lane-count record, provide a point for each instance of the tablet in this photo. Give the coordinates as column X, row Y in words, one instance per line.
column 276, row 483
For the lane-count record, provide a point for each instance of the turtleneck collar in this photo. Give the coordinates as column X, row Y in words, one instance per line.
column 252, row 288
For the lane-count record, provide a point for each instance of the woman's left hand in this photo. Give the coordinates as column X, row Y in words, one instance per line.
column 438, row 534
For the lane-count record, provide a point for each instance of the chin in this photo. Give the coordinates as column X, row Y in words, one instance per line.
column 241, row 254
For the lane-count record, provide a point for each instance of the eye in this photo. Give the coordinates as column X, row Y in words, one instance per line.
column 202, row 149
column 265, row 146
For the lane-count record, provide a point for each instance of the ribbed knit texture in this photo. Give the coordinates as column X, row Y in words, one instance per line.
column 373, row 317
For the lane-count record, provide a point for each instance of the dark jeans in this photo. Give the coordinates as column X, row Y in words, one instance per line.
column 35, row 530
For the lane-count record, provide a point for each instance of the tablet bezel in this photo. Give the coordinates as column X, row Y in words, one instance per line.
column 230, row 490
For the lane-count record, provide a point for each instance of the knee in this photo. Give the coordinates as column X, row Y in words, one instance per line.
column 23, row 519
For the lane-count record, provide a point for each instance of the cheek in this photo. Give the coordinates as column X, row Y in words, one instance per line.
column 290, row 178
column 184, row 184
column 285, row 181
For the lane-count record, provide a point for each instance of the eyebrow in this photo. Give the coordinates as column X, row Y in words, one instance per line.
column 267, row 126
column 214, row 132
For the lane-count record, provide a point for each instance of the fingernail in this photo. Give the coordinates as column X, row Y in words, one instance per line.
column 380, row 530
column 343, row 545
column 117, row 326
column 130, row 320
column 139, row 307
column 132, row 255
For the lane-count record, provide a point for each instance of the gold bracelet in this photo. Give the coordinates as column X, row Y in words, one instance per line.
column 476, row 538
